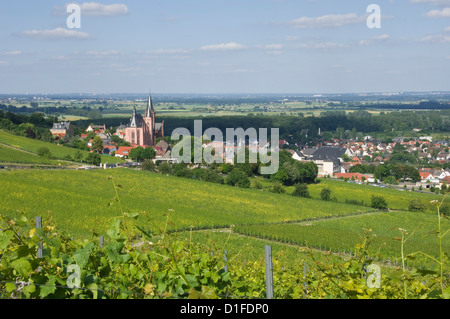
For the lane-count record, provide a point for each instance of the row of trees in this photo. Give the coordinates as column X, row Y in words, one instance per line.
column 291, row 172
column 34, row 126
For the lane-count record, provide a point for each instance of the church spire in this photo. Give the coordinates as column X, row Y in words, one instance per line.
column 150, row 108
column 133, row 122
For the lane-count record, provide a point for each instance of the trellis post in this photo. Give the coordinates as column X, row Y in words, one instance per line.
column 269, row 271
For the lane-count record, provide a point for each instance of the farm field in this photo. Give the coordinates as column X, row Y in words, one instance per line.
column 396, row 199
column 79, row 200
column 58, row 152
column 217, row 218
column 346, row 191
column 344, row 233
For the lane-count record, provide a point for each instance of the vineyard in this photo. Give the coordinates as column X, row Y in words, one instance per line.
column 343, row 234
column 123, row 234
column 81, row 201
column 33, row 146
column 11, row 155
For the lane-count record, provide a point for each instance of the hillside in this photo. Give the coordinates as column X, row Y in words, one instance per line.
column 11, row 155
column 58, row 152
column 80, row 200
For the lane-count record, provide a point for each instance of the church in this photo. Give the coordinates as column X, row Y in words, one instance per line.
column 143, row 130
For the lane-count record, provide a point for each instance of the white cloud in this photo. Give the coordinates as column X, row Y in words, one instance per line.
column 55, row 34
column 95, row 9
column 380, row 38
column 444, row 13
column 436, row 39
column 167, row 51
column 291, row 38
column 273, row 46
column 16, row 52
column 223, row 47
column 321, row 45
column 100, row 54
column 447, row 29
column 326, row 21
column 435, row 2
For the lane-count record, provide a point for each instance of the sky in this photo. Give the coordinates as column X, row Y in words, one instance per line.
column 224, row 46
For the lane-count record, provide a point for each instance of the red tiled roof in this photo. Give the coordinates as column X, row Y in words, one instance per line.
column 124, row 150
column 424, row 175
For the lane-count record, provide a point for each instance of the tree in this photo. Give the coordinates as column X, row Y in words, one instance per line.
column 325, row 194
column 165, row 168
column 140, row 154
column 78, row 156
column 44, row 152
column 213, row 177
column 277, row 188
column 378, row 202
column 181, row 170
column 94, row 115
column 27, row 130
column 391, row 180
column 97, row 144
column 148, row 153
column 94, row 159
column 80, row 144
column 238, row 178
column 301, row 190
column 416, row 206
column 295, row 172
column 148, row 165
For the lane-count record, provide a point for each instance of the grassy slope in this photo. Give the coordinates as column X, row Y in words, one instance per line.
column 59, row 152
column 345, row 233
column 11, row 155
column 395, row 199
column 343, row 191
column 79, row 200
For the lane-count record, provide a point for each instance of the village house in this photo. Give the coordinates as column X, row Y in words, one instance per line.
column 329, row 159
column 109, row 149
column 427, row 180
column 62, row 129
column 124, row 151
column 96, row 128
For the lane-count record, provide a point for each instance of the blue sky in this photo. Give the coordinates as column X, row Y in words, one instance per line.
column 224, row 46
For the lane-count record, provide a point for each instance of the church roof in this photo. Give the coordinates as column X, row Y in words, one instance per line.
column 329, row 153
column 136, row 119
column 61, row 126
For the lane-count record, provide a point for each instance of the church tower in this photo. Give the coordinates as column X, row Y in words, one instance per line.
column 149, row 119
column 143, row 130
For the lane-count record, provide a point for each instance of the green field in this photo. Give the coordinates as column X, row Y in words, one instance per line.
column 11, row 155
column 342, row 234
column 57, row 151
column 79, row 200
column 396, row 199
column 346, row 191
column 222, row 218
